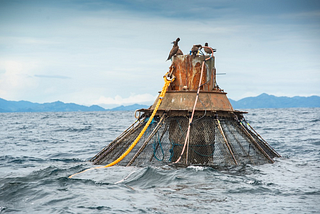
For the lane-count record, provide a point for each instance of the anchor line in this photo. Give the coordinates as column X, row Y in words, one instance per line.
column 186, row 142
column 226, row 141
column 265, row 142
column 168, row 78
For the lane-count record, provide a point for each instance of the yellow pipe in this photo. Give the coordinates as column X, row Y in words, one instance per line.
column 161, row 96
column 163, row 92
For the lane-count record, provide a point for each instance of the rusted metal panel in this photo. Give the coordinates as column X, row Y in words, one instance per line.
column 181, row 94
column 184, row 100
column 187, row 72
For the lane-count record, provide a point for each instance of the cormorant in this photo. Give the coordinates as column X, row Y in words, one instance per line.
column 195, row 49
column 175, row 49
column 208, row 50
column 179, row 52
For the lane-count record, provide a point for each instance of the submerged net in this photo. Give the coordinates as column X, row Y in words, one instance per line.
column 217, row 136
column 213, row 141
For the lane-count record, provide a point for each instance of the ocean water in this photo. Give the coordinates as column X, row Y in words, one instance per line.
column 40, row 150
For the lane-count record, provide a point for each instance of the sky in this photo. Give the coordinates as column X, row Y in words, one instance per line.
column 112, row 53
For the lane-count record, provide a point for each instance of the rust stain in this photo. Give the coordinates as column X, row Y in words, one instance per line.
column 182, row 92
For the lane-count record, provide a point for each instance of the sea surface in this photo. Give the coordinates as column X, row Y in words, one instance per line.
column 40, row 150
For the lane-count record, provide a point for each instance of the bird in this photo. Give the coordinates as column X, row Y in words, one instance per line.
column 179, row 52
column 207, row 49
column 175, row 49
column 195, row 49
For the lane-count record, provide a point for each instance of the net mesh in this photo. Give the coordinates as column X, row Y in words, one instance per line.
column 213, row 142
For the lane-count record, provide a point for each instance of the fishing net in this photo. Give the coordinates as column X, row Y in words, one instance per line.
column 216, row 136
column 213, row 141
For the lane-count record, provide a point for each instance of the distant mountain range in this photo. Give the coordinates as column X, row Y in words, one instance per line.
column 269, row 101
column 26, row 106
column 261, row 101
column 128, row 108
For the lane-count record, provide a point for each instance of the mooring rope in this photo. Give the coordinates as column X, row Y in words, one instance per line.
column 194, row 107
column 190, row 120
column 155, row 146
column 168, row 78
column 263, row 140
column 226, row 141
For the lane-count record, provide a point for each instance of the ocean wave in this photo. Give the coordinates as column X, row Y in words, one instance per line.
column 40, row 151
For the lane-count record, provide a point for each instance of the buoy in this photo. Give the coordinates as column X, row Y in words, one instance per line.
column 195, row 124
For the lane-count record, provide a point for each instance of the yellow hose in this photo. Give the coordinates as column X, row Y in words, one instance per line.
column 161, row 96
column 163, row 92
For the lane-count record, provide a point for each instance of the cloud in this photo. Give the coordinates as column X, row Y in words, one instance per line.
column 92, row 51
column 52, row 76
column 16, row 78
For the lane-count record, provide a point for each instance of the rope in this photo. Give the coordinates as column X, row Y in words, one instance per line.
column 190, row 121
column 194, row 107
column 210, row 55
column 155, row 148
column 192, row 146
column 226, row 141
column 167, row 81
column 265, row 142
column 204, row 155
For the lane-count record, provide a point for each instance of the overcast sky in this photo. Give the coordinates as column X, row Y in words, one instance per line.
column 114, row 53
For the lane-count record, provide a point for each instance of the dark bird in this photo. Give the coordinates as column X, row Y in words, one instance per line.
column 179, row 52
column 175, row 49
column 207, row 49
column 195, row 49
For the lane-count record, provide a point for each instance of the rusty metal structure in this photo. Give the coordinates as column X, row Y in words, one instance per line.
column 194, row 125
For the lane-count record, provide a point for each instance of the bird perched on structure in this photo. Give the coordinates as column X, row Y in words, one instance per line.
column 195, row 49
column 175, row 49
column 179, row 52
column 207, row 49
